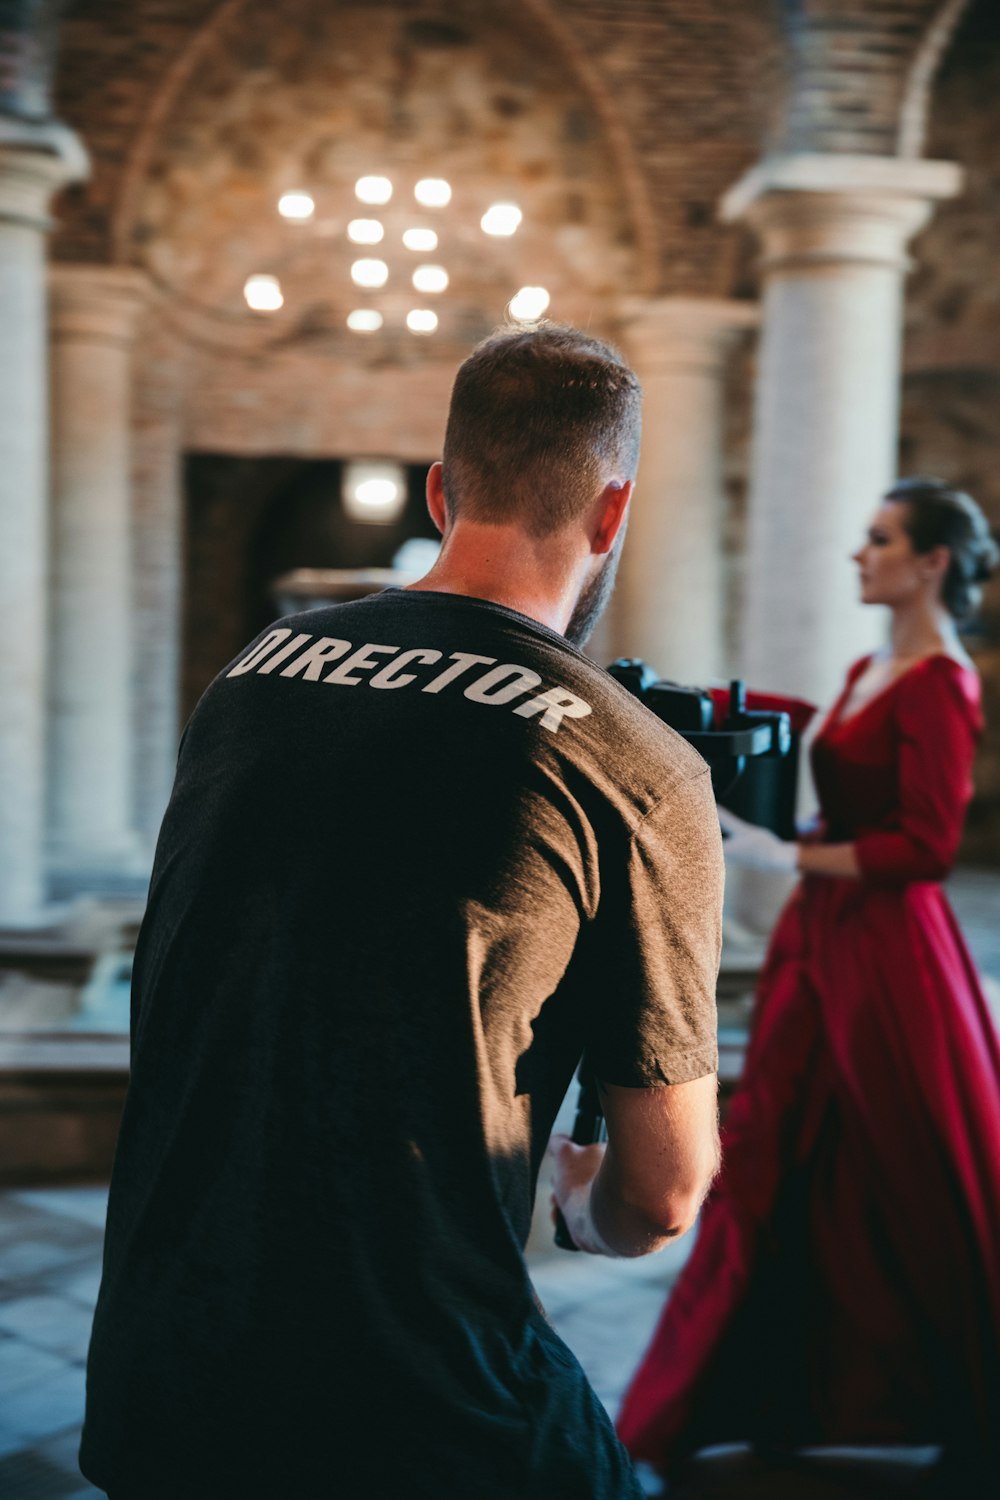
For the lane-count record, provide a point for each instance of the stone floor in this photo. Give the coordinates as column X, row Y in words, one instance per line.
column 50, row 1251
column 50, row 1265
column 50, row 1258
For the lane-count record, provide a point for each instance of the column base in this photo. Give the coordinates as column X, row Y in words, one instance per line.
column 118, row 871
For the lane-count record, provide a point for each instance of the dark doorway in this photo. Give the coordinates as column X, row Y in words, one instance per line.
column 248, row 521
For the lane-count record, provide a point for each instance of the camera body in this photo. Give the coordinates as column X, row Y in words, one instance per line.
column 750, row 741
column 753, row 755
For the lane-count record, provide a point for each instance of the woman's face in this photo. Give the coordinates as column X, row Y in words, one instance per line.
column 890, row 571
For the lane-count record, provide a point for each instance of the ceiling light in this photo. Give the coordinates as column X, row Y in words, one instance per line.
column 263, row 293
column 430, row 278
column 529, row 304
column 420, row 239
column 501, row 219
column 373, row 189
column 365, row 231
column 364, row 320
column 432, row 192
column 372, row 491
column 296, row 206
column 421, row 320
column 369, row 273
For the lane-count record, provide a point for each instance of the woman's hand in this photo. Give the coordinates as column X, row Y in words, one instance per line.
column 756, row 848
column 812, row 830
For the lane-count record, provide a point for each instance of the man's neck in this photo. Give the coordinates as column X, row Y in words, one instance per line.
column 503, row 566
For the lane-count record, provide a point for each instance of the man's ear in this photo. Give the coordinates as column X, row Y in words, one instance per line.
column 436, row 504
column 610, row 515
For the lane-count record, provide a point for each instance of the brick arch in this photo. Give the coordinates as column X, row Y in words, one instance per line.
column 206, row 38
column 682, row 93
column 920, row 79
column 860, row 73
column 210, row 35
column 28, row 31
column 323, row 100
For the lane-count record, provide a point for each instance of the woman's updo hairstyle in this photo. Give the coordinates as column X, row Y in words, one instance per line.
column 938, row 516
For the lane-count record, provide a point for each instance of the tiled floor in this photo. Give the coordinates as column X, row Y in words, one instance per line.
column 50, row 1255
column 50, row 1261
column 50, row 1258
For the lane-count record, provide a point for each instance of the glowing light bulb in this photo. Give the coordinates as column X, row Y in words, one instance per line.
column 376, row 494
column 296, row 206
column 430, row 278
column 421, row 320
column 263, row 293
column 432, row 192
column 529, row 304
column 364, row 320
column 371, row 273
column 372, row 491
column 365, row 231
column 420, row 239
column 501, row 219
column 373, row 189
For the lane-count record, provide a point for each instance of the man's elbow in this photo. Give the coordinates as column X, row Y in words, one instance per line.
column 673, row 1213
column 679, row 1212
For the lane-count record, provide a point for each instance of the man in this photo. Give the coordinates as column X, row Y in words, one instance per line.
column 420, row 854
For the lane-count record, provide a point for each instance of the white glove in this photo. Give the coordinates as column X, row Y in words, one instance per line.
column 755, row 848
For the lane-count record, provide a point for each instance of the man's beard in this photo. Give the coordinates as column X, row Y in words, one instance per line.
column 594, row 597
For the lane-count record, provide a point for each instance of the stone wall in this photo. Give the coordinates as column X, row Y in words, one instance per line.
column 951, row 396
column 617, row 125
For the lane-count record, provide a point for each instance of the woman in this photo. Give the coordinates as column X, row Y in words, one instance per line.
column 845, row 1285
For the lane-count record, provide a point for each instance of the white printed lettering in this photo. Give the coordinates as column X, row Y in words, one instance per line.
column 357, row 660
column 259, row 652
column 316, row 657
column 554, row 706
column 392, row 676
column 493, row 689
column 283, row 655
column 461, row 662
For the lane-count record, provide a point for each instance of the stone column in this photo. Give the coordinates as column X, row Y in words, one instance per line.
column 834, row 230
column 158, row 535
column 94, row 314
column 670, row 595
column 34, row 163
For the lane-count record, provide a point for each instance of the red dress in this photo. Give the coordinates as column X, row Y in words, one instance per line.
column 845, row 1284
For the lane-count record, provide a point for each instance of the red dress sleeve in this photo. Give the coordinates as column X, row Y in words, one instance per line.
column 937, row 725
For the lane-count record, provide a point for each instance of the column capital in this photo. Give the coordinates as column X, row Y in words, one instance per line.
column 669, row 333
column 811, row 210
column 35, row 162
column 96, row 303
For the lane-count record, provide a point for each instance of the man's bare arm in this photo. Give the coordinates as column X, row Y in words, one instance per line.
column 646, row 1185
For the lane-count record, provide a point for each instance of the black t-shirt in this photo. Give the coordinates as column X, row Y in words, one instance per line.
column 420, row 853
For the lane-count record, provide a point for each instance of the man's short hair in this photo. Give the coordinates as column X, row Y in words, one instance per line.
column 541, row 419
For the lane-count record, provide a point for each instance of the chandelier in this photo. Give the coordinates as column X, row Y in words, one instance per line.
column 371, row 274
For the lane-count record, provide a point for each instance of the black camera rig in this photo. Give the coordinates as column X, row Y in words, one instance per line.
column 729, row 735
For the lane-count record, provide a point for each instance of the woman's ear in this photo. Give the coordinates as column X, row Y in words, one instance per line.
column 935, row 563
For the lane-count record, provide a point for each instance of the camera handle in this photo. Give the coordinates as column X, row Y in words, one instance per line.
column 588, row 1128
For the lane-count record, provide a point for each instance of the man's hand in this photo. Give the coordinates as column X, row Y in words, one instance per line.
column 573, row 1171
column 643, row 1188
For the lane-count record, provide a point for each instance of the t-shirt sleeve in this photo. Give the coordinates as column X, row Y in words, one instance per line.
column 656, row 960
column 937, row 730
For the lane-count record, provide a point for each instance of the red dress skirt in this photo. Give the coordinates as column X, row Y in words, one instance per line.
column 845, row 1283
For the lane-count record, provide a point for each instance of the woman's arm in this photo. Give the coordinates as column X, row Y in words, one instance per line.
column 828, row 859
